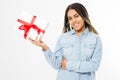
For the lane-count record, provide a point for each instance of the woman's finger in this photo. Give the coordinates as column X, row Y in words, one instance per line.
column 31, row 40
column 36, row 39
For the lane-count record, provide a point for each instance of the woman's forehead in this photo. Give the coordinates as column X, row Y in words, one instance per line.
column 71, row 12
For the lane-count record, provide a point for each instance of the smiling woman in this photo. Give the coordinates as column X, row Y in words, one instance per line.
column 78, row 52
column 76, row 21
column 77, row 11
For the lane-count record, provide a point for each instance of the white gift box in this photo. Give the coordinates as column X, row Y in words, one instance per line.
column 31, row 26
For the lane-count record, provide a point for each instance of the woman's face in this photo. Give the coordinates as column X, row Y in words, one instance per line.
column 75, row 20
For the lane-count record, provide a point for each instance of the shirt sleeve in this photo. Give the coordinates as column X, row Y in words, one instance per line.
column 54, row 59
column 87, row 66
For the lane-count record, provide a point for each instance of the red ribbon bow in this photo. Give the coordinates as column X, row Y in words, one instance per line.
column 26, row 26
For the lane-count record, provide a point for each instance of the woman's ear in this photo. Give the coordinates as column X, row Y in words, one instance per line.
column 67, row 23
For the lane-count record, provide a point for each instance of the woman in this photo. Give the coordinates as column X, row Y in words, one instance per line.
column 78, row 51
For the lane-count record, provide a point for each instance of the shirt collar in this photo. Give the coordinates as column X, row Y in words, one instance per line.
column 84, row 32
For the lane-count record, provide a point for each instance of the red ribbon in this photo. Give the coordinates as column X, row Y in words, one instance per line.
column 26, row 26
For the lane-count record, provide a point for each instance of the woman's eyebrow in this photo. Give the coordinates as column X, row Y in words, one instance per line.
column 75, row 14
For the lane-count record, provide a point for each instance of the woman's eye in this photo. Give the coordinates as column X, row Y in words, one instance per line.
column 69, row 18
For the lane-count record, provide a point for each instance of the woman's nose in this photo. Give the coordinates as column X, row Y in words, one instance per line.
column 73, row 20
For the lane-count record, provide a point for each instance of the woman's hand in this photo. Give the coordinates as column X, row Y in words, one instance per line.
column 63, row 64
column 39, row 43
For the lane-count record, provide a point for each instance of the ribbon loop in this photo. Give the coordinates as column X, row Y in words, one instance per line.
column 27, row 26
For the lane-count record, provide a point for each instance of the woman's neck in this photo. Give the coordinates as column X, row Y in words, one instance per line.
column 79, row 32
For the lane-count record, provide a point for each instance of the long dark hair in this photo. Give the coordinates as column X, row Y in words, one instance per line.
column 81, row 10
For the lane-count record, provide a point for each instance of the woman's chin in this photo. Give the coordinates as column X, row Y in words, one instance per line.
column 76, row 29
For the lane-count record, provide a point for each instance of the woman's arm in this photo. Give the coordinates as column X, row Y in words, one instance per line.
column 54, row 59
column 85, row 66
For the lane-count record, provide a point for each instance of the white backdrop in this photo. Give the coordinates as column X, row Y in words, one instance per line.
column 20, row 60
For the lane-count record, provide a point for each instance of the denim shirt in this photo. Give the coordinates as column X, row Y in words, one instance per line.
column 83, row 55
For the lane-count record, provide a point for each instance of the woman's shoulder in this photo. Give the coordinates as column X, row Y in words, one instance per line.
column 66, row 34
column 92, row 36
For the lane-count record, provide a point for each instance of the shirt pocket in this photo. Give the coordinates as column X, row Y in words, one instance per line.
column 87, row 50
column 67, row 50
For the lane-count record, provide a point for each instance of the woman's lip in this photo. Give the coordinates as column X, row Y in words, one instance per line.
column 75, row 25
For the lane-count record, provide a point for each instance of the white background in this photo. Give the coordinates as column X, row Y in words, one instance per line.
column 20, row 60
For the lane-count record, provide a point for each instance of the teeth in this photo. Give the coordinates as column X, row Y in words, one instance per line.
column 75, row 24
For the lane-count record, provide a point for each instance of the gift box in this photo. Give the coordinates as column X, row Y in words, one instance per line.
column 31, row 26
